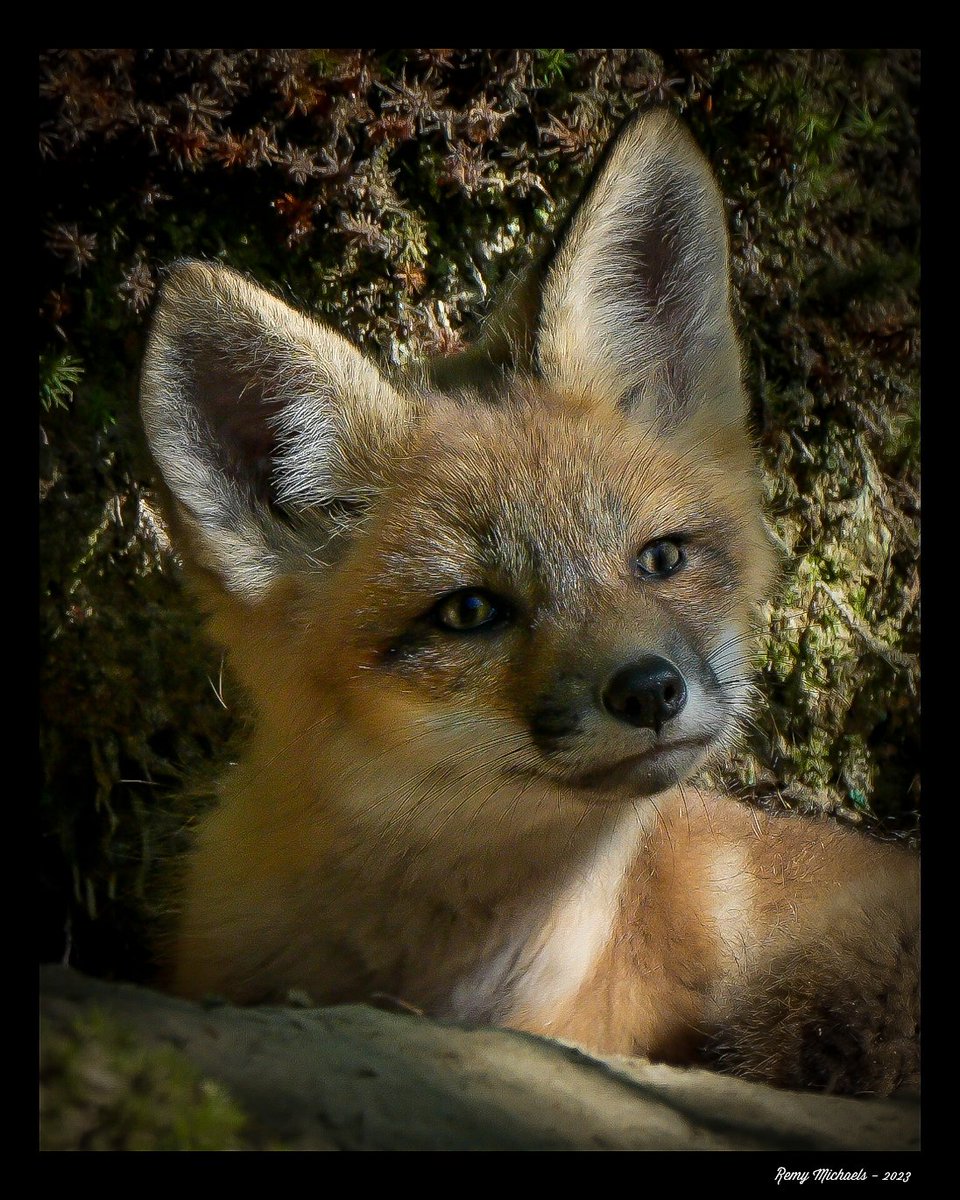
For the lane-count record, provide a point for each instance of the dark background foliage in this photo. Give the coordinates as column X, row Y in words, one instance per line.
column 390, row 191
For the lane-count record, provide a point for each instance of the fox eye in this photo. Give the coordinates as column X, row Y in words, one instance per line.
column 469, row 609
column 661, row 558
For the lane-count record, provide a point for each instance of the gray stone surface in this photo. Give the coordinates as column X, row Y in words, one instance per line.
column 357, row 1078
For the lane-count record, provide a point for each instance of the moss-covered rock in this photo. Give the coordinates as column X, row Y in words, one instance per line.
column 104, row 1087
column 356, row 1078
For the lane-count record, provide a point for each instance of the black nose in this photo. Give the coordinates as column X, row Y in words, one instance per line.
column 646, row 693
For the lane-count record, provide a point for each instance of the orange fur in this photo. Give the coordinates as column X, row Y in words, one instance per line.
column 489, row 823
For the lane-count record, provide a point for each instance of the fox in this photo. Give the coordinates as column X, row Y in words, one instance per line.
column 492, row 611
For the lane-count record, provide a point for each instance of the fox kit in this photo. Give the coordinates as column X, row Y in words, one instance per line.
column 490, row 615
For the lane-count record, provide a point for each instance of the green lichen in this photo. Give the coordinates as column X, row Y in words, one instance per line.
column 102, row 1088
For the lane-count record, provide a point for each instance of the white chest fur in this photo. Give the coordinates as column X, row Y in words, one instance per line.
column 546, row 954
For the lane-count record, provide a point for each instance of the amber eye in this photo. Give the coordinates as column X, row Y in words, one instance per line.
column 660, row 558
column 468, row 609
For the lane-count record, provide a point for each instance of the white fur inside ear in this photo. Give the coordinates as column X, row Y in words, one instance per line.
column 249, row 405
column 636, row 304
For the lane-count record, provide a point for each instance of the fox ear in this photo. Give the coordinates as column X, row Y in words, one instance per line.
column 268, row 429
column 635, row 303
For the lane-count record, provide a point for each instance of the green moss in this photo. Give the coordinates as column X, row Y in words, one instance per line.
column 103, row 1089
column 551, row 65
column 59, row 376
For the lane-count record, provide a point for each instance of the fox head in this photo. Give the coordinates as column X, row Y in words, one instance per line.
column 531, row 569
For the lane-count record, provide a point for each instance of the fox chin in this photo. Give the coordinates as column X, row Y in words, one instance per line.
column 491, row 613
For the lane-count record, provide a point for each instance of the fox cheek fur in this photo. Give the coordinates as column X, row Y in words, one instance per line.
column 490, row 614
